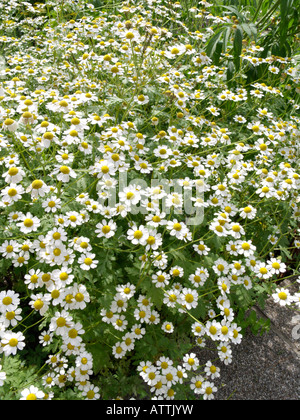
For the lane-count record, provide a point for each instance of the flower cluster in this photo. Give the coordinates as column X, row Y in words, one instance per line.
column 143, row 198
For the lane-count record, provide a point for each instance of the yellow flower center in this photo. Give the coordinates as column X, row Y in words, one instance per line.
column 129, row 195
column 37, row 184
column 73, row 333
column 28, row 222
column 174, row 50
column 65, row 170
column 73, row 133
column 10, row 315
column 177, row 227
column 63, row 276
column 31, row 397
column 160, row 278
column 189, row 298
column 56, row 236
column 226, row 312
column 213, row 330
column 282, row 295
column 90, row 394
column 106, row 229
column 63, row 104
column 7, row 300
column 48, row 136
column 13, row 342
column 224, row 330
column 9, row 249
column 9, row 121
column 13, row 171
column 138, row 234
column 151, row 240
column 55, row 294
column 79, row 297
column 51, row 204
column 61, row 322
column 38, row 304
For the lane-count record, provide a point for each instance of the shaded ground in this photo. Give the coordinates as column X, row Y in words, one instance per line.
column 264, row 367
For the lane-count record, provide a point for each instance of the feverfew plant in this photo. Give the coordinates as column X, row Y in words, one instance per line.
column 148, row 198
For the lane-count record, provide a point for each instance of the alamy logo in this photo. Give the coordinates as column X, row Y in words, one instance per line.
column 172, row 196
column 2, row 63
column 296, row 329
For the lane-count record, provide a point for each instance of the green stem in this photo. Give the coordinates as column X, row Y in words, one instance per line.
column 257, row 10
column 268, row 14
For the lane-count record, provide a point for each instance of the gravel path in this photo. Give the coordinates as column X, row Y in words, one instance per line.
column 264, row 367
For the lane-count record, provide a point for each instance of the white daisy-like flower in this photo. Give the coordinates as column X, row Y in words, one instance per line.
column 32, row 393
column 282, row 296
column 87, row 261
column 106, row 229
column 11, row 342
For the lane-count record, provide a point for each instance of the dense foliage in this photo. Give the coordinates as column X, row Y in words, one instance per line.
column 149, row 192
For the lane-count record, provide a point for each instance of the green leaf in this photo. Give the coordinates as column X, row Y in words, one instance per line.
column 286, row 252
column 250, row 29
column 243, row 297
column 237, row 46
column 200, row 311
column 178, row 255
column 230, row 72
column 132, row 271
column 235, row 12
column 253, row 30
column 227, row 33
column 101, row 356
column 212, row 45
column 154, row 293
column 218, row 52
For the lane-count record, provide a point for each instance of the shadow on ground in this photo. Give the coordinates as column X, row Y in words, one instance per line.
column 263, row 367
